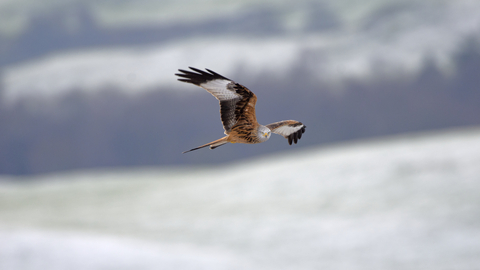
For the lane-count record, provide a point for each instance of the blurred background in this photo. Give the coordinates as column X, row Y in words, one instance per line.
column 93, row 123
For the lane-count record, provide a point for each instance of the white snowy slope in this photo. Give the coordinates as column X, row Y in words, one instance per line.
column 364, row 46
column 407, row 202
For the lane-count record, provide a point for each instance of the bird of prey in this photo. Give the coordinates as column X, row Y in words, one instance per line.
column 237, row 111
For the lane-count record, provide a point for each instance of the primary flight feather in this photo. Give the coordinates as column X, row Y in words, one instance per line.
column 237, row 111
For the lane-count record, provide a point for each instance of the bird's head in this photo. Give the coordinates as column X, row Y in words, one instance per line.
column 264, row 133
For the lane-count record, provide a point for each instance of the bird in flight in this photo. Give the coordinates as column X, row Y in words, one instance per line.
column 237, row 111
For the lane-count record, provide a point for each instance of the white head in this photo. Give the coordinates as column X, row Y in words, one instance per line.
column 263, row 133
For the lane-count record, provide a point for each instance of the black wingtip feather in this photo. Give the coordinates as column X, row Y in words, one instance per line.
column 199, row 76
column 294, row 137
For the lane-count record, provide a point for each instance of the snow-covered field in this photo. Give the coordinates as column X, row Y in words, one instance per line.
column 396, row 45
column 409, row 202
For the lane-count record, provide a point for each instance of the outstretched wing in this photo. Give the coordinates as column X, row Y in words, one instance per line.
column 290, row 129
column 235, row 99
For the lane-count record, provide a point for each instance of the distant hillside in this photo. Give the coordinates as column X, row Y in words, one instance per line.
column 88, row 84
column 91, row 45
column 112, row 129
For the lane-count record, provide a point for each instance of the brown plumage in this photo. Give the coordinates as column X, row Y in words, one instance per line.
column 237, row 111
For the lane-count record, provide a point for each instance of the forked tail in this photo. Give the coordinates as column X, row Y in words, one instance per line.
column 212, row 145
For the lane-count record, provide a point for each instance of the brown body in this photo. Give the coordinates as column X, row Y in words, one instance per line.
column 245, row 130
